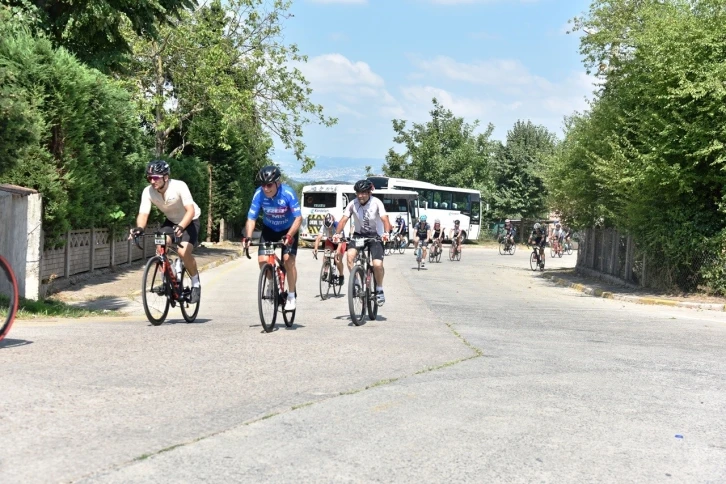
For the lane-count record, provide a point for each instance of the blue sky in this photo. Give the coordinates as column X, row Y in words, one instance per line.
column 371, row 61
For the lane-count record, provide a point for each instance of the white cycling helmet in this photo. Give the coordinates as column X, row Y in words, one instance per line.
column 537, row 226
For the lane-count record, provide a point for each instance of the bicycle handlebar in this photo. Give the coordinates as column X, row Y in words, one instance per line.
column 261, row 244
column 162, row 231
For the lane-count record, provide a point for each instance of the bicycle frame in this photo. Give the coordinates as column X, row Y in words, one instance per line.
column 161, row 242
column 272, row 259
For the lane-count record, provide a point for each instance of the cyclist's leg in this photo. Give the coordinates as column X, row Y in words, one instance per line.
column 377, row 261
column 339, row 251
column 352, row 253
column 190, row 238
column 289, row 254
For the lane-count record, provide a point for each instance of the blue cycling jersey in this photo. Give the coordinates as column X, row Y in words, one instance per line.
column 278, row 212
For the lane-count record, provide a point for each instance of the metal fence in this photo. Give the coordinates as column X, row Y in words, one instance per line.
column 608, row 251
column 92, row 249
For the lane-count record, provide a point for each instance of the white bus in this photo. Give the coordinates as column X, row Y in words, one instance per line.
column 318, row 200
column 444, row 203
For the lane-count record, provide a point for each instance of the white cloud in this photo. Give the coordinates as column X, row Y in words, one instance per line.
column 335, row 73
column 473, row 2
column 343, row 2
column 338, row 37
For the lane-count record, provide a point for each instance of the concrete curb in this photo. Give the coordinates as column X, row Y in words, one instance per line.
column 634, row 299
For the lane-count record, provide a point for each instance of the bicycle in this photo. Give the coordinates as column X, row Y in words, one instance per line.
column 8, row 297
column 271, row 296
column 454, row 251
column 160, row 280
column 556, row 249
column 419, row 253
column 568, row 247
column 402, row 241
column 534, row 259
column 362, row 284
column 329, row 276
column 435, row 252
column 506, row 247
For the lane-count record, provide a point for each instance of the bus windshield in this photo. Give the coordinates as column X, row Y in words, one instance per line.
column 319, row 200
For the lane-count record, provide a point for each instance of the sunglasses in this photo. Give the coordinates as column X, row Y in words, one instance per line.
column 151, row 178
column 268, row 185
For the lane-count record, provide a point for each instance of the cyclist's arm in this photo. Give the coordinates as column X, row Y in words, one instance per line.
column 341, row 225
column 142, row 219
column 317, row 241
column 295, row 226
column 253, row 213
column 386, row 223
column 188, row 217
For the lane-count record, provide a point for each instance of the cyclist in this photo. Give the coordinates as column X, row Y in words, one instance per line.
column 328, row 230
column 557, row 236
column 400, row 231
column 438, row 235
column 368, row 215
column 422, row 233
column 538, row 237
column 568, row 235
column 509, row 232
column 281, row 219
column 175, row 201
column 456, row 235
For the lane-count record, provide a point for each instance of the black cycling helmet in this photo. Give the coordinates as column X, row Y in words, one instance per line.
column 328, row 222
column 269, row 174
column 456, row 222
column 157, row 167
column 363, row 186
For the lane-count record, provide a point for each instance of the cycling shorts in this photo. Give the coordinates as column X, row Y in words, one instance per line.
column 191, row 233
column 269, row 235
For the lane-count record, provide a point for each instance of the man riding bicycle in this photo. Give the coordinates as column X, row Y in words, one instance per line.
column 175, row 201
column 538, row 237
column 400, row 230
column 281, row 219
column 327, row 231
column 368, row 215
column 456, row 235
column 557, row 237
column 438, row 235
column 423, row 234
column 509, row 232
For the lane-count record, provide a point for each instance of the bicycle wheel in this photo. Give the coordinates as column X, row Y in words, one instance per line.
column 569, row 249
column 502, row 248
column 8, row 297
column 371, row 300
column 458, row 253
column 402, row 245
column 154, row 290
column 268, row 297
column 432, row 254
column 357, row 295
column 438, row 254
column 189, row 310
column 533, row 262
column 512, row 249
column 552, row 251
column 325, row 273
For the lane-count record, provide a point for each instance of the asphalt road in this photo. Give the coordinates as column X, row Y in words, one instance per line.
column 478, row 370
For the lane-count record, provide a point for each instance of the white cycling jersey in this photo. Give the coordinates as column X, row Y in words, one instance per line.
column 367, row 219
column 171, row 203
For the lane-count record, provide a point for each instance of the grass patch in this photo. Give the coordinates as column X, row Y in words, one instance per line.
column 50, row 308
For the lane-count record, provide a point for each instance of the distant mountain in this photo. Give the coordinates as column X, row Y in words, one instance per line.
column 327, row 168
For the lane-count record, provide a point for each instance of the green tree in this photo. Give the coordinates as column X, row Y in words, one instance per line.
column 650, row 151
column 517, row 170
column 227, row 57
column 92, row 29
column 75, row 138
column 445, row 151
